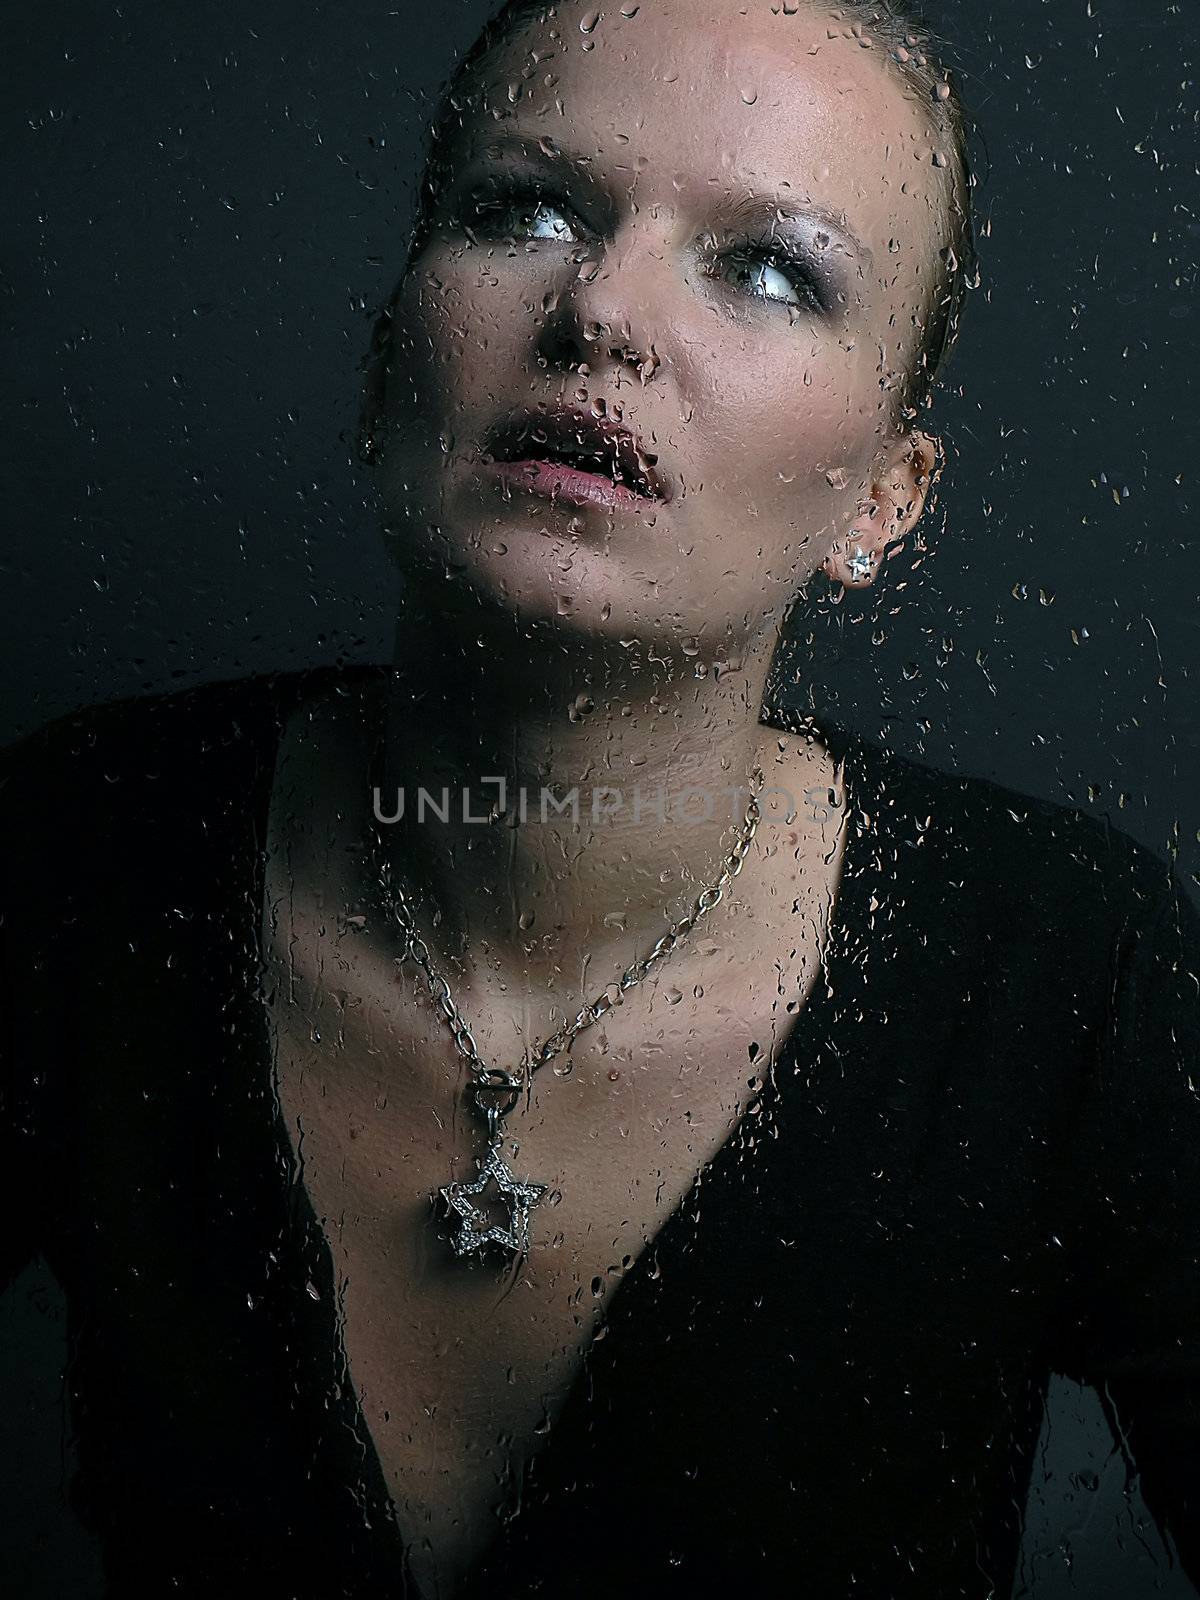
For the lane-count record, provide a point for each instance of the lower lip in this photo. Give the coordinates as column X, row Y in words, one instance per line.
column 555, row 481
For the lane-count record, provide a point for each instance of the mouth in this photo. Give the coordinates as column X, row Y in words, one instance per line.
column 578, row 458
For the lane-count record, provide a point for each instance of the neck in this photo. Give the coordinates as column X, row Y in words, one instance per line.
column 626, row 774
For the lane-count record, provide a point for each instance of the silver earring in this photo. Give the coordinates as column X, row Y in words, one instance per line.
column 859, row 564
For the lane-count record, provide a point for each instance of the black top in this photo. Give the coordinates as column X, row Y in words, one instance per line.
column 976, row 1160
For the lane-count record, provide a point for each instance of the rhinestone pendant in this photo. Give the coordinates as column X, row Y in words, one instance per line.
column 475, row 1229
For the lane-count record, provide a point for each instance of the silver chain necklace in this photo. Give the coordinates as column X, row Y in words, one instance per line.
column 496, row 1091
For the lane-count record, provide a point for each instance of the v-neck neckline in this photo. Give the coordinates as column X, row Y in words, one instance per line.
column 313, row 1298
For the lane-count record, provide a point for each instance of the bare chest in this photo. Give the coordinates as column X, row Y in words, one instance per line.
column 461, row 1367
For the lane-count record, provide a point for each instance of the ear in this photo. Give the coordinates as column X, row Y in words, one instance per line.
column 373, row 402
column 898, row 494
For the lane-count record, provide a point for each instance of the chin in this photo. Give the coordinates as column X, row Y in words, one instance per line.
column 627, row 585
column 518, row 586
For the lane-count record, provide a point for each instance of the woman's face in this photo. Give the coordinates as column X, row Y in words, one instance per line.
column 647, row 365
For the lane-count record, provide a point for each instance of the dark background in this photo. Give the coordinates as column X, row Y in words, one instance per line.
column 202, row 207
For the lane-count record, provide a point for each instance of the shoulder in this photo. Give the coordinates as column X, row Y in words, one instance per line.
column 139, row 728
column 1012, row 862
column 108, row 780
column 203, row 727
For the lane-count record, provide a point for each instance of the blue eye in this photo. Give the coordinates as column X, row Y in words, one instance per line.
column 769, row 276
column 544, row 221
column 524, row 217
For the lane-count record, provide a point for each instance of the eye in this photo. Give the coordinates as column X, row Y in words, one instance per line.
column 523, row 216
column 770, row 275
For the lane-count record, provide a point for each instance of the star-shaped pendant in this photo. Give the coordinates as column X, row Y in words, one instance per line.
column 475, row 1230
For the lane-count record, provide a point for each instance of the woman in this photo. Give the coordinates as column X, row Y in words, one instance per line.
column 399, row 1261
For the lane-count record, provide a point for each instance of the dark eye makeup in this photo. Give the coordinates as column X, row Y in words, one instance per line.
column 520, row 210
column 771, row 270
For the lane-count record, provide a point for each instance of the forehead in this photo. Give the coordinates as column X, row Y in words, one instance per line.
column 732, row 96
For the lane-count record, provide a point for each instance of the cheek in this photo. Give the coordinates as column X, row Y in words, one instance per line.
column 468, row 328
column 788, row 424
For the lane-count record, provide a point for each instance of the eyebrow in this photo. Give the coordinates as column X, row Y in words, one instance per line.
column 770, row 212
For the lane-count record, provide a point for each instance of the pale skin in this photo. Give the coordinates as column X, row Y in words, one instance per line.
column 592, row 644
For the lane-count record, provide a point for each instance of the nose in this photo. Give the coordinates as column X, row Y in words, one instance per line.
column 609, row 314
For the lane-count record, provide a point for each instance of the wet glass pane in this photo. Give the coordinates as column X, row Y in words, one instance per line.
column 600, row 829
